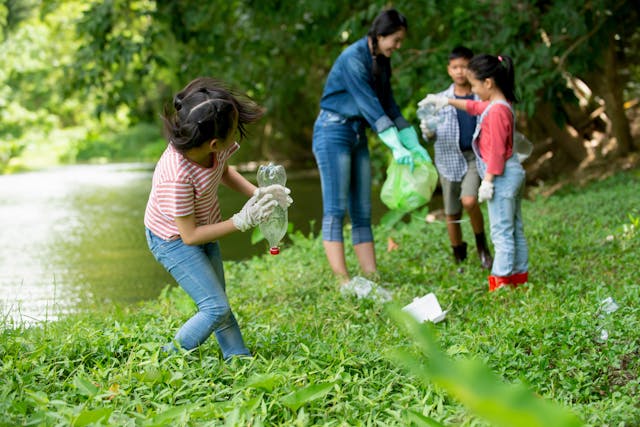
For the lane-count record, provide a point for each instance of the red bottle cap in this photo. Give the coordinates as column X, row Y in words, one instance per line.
column 274, row 251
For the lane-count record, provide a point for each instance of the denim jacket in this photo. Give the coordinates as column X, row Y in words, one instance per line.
column 349, row 90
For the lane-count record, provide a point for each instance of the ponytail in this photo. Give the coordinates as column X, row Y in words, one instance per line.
column 499, row 68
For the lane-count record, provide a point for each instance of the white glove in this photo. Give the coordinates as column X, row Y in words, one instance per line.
column 279, row 192
column 485, row 192
column 256, row 210
column 437, row 101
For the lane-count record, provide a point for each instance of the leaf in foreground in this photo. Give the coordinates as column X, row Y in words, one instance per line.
column 476, row 386
column 300, row 397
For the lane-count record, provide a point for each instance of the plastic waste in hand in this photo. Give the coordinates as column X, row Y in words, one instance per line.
column 275, row 227
column 607, row 306
column 429, row 114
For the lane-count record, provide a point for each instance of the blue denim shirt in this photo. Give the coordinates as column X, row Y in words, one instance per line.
column 349, row 90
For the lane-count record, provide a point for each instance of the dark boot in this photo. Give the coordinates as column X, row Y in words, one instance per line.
column 460, row 252
column 483, row 251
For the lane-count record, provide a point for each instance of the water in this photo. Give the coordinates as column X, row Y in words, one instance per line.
column 73, row 238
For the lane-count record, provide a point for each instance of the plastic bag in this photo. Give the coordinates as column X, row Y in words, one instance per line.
column 521, row 146
column 404, row 190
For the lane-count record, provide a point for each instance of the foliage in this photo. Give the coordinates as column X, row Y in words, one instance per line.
column 76, row 62
column 476, row 386
column 324, row 359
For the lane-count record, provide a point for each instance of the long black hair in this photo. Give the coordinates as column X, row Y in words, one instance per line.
column 499, row 68
column 387, row 22
column 206, row 109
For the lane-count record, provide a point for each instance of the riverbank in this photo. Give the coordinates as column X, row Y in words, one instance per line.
column 322, row 359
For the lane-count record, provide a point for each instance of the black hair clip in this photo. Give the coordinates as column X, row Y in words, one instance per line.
column 177, row 103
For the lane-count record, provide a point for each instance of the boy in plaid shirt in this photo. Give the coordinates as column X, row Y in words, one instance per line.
column 456, row 162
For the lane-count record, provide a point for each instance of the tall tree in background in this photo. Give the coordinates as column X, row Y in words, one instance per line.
column 575, row 62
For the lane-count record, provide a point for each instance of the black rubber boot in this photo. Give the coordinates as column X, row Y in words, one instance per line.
column 460, row 252
column 483, row 251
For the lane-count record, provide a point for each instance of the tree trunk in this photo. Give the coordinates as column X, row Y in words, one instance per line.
column 572, row 145
column 609, row 85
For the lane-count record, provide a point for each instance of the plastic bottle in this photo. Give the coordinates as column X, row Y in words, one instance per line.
column 426, row 111
column 275, row 227
column 429, row 114
column 605, row 322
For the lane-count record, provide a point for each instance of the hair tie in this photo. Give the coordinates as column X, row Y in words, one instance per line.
column 499, row 58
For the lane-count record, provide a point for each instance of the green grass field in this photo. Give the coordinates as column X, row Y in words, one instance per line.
column 324, row 359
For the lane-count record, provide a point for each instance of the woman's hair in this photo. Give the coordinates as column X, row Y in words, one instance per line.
column 387, row 22
column 204, row 110
column 498, row 68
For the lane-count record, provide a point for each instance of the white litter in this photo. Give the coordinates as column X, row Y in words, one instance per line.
column 426, row 308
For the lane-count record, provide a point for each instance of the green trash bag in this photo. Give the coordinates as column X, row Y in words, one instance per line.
column 404, row 190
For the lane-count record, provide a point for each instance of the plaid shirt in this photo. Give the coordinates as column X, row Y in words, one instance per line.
column 449, row 160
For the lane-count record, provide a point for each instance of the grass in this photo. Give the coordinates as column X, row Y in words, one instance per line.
column 323, row 359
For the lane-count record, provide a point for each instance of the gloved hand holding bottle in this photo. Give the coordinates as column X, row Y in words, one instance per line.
column 279, row 192
column 438, row 101
column 391, row 138
column 409, row 139
column 256, row 210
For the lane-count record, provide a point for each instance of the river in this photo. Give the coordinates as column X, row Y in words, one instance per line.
column 72, row 237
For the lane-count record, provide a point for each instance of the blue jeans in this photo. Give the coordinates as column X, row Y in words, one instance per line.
column 342, row 154
column 198, row 270
column 505, row 217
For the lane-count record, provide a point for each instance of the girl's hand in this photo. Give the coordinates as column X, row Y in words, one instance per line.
column 279, row 192
column 437, row 101
column 256, row 210
column 485, row 192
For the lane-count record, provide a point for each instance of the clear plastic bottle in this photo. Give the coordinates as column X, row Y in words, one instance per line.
column 429, row 114
column 426, row 111
column 605, row 322
column 275, row 227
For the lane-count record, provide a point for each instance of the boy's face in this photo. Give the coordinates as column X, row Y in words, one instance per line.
column 457, row 70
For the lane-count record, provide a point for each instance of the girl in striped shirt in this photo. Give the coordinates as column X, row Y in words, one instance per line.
column 183, row 220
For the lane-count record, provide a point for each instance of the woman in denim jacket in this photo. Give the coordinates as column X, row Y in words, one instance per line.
column 358, row 93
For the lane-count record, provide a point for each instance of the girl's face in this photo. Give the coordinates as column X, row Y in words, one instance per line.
column 482, row 88
column 387, row 44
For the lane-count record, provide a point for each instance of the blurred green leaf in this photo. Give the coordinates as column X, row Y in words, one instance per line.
column 475, row 386
column 305, row 395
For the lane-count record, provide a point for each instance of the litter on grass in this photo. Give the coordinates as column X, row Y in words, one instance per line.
column 364, row 288
column 605, row 322
column 426, row 308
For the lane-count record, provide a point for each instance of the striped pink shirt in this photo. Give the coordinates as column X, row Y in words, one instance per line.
column 181, row 187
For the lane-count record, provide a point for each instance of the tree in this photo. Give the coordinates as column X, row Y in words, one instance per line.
column 575, row 63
